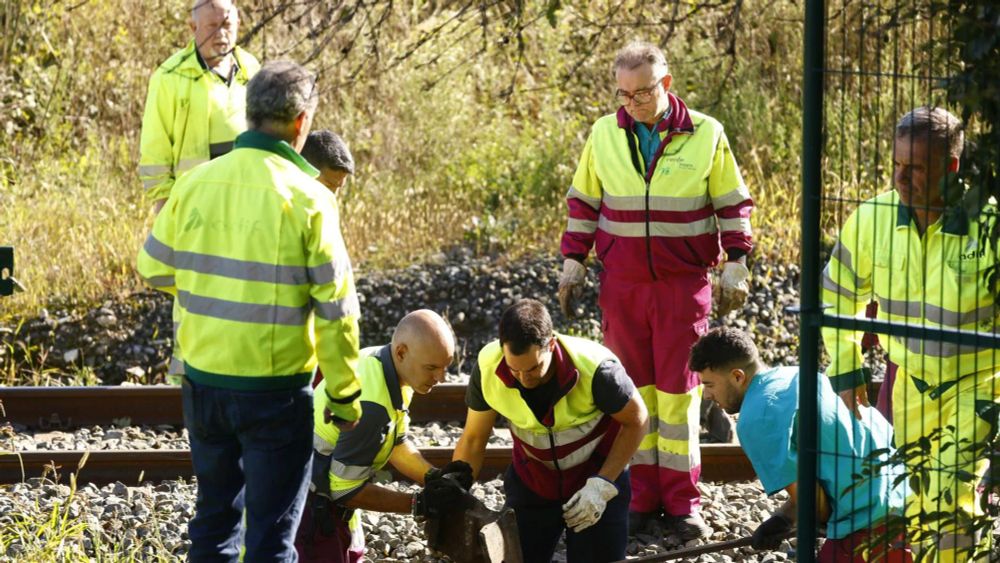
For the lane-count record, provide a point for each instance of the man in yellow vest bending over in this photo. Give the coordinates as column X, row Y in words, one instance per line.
column 250, row 246
column 345, row 462
column 926, row 263
column 576, row 419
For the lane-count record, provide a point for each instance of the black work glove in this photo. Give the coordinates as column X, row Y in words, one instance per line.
column 769, row 534
column 458, row 470
column 436, row 496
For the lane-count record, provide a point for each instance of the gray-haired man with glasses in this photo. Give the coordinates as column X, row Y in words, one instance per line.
column 659, row 197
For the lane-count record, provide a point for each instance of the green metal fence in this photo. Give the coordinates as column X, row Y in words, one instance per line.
column 889, row 223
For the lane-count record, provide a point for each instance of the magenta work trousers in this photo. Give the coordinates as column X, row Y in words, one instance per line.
column 651, row 327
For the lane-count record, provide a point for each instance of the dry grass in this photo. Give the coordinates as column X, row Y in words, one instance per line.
column 445, row 157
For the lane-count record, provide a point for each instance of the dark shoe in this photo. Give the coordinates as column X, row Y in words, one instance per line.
column 638, row 522
column 688, row 527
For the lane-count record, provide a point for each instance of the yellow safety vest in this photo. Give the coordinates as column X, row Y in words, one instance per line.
column 937, row 280
column 250, row 245
column 175, row 123
column 549, row 457
column 375, row 388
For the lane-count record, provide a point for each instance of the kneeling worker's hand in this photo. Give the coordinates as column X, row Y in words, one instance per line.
column 587, row 506
column 769, row 534
column 571, row 286
column 458, row 470
column 436, row 496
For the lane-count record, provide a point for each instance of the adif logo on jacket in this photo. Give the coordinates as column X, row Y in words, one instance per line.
column 194, row 221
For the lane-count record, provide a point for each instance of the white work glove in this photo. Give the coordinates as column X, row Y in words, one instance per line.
column 731, row 289
column 571, row 285
column 585, row 508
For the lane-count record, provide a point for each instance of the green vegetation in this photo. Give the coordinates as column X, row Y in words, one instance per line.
column 466, row 119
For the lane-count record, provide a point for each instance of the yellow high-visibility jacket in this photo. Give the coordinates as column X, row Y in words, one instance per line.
column 357, row 454
column 555, row 456
column 938, row 281
column 175, row 128
column 250, row 245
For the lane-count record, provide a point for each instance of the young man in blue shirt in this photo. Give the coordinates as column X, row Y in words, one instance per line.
column 767, row 400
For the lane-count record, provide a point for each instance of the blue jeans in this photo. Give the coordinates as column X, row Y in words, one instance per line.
column 540, row 524
column 251, row 450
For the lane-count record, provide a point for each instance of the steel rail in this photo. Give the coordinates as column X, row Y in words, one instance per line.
column 720, row 462
column 60, row 408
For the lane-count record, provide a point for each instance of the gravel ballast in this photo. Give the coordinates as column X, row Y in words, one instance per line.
column 151, row 521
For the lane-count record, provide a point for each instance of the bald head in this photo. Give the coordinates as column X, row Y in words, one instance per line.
column 423, row 346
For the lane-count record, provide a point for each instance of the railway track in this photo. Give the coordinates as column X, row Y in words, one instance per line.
column 60, row 408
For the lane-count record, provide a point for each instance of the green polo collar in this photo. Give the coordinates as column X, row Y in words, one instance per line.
column 256, row 140
column 954, row 220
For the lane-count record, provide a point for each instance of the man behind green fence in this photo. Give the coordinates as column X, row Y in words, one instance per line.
column 927, row 264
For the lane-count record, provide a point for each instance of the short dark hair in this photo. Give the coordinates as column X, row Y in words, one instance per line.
column 524, row 324
column 325, row 148
column 723, row 348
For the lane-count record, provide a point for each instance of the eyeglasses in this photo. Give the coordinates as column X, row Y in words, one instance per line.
column 639, row 97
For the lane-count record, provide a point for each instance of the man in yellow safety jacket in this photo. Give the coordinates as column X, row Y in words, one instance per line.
column 250, row 246
column 345, row 463
column 659, row 197
column 195, row 108
column 576, row 418
column 926, row 264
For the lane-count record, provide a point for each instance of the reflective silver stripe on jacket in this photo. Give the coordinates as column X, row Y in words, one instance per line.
column 242, row 312
column 580, row 226
column 656, row 203
column 541, row 440
column 658, row 228
column 338, row 309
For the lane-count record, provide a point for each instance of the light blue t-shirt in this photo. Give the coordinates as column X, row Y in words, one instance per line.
column 650, row 138
column 768, row 428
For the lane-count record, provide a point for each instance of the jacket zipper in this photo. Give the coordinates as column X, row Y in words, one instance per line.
column 555, row 461
column 633, row 148
column 649, row 243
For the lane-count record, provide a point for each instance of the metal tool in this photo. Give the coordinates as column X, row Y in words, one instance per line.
column 471, row 533
column 697, row 550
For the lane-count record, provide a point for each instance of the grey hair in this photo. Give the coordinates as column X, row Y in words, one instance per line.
column 195, row 4
column 279, row 92
column 938, row 125
column 638, row 53
column 326, row 149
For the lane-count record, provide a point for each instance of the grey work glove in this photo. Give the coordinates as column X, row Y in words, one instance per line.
column 731, row 288
column 571, row 281
column 587, row 506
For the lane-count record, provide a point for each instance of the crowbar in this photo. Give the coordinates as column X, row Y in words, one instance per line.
column 699, row 550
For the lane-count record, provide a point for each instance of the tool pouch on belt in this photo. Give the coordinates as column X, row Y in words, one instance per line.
column 326, row 514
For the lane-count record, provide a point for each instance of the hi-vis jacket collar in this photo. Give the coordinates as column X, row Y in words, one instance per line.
column 256, row 140
column 678, row 120
column 391, row 377
column 566, row 375
column 955, row 221
column 190, row 65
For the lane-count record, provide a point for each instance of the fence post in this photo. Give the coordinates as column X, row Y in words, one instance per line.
column 811, row 313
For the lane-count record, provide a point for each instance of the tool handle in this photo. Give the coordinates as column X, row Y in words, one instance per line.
column 698, row 550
